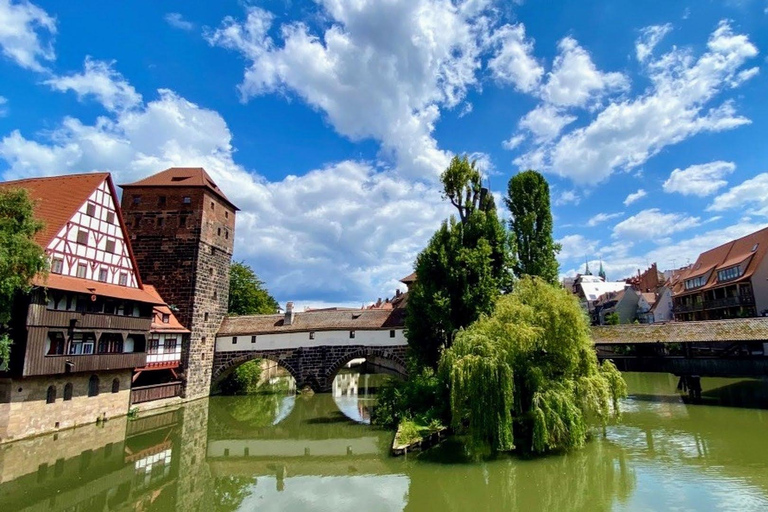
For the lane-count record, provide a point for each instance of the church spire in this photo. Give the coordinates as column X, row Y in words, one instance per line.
column 586, row 270
column 601, row 273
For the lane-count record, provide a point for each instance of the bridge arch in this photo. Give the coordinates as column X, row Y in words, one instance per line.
column 382, row 357
column 225, row 370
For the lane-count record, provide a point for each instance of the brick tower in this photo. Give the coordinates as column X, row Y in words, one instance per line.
column 182, row 230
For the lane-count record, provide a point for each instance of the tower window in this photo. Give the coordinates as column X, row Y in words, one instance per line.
column 136, row 199
column 161, row 201
column 218, row 232
column 160, row 222
column 205, row 317
column 215, row 295
column 183, row 221
column 226, row 234
column 186, row 200
column 226, row 215
column 212, row 205
column 82, row 237
column 90, row 210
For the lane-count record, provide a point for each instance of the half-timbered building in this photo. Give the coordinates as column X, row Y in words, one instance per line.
column 83, row 328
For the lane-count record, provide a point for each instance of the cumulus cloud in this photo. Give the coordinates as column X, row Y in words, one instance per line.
column 545, row 122
column 626, row 133
column 699, row 180
column 26, row 34
column 575, row 247
column 603, row 217
column 100, row 80
column 379, row 70
column 344, row 232
column 176, row 20
column 652, row 224
column 649, row 38
column 635, row 196
column 3, row 106
column 513, row 141
column 752, row 193
column 567, row 197
column 513, row 60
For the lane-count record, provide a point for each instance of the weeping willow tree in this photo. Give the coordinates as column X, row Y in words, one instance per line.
column 527, row 376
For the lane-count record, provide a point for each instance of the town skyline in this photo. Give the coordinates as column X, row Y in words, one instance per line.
column 336, row 171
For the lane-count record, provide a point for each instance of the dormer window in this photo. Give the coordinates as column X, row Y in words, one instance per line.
column 695, row 282
column 729, row 274
column 166, row 318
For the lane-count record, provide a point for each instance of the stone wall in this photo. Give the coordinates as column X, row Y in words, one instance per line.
column 24, row 411
column 194, row 489
column 743, row 329
column 313, row 366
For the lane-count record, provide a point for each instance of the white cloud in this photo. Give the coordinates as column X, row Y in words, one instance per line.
column 575, row 247
column 627, row 133
column 99, row 79
column 649, row 38
column 575, row 80
column 513, row 141
column 26, row 34
column 545, row 122
column 699, row 180
column 635, row 196
column 603, row 217
column 513, row 60
column 653, row 224
column 752, row 192
column 343, row 233
column 568, row 197
column 3, row 106
column 380, row 70
column 176, row 20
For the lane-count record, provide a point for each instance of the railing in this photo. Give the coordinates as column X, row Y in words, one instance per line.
column 686, row 308
column 41, row 316
column 155, row 392
column 729, row 302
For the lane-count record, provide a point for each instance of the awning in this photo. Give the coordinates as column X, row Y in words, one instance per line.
column 86, row 286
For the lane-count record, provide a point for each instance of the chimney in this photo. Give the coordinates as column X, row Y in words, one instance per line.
column 288, row 314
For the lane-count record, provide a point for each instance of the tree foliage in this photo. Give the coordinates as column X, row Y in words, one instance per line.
column 247, row 294
column 531, row 225
column 21, row 258
column 527, row 376
column 463, row 269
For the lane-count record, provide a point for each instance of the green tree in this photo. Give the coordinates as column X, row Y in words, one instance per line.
column 612, row 319
column 527, row 376
column 531, row 225
column 21, row 258
column 247, row 294
column 463, row 269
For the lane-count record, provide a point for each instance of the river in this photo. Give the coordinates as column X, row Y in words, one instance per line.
column 286, row 452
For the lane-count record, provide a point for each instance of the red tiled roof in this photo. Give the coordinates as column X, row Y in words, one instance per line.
column 182, row 177
column 361, row 319
column 161, row 309
column 57, row 199
column 87, row 286
column 723, row 256
column 410, row 278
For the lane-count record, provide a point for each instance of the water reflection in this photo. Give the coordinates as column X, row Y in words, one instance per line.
column 355, row 393
column 302, row 453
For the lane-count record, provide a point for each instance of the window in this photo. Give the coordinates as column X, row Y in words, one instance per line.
column 183, row 221
column 234, row 340
column 171, row 343
column 226, row 215
column 205, row 317
column 226, row 234
column 110, row 217
column 115, row 385
column 160, row 222
column 311, row 335
column 93, row 386
column 215, row 295
column 81, row 270
column 110, row 247
column 253, row 339
column 391, row 333
column 694, row 282
column 81, row 343
column 57, row 265
column 50, row 396
column 186, row 200
column 154, row 344
column 136, row 199
column 166, row 318
column 103, row 274
column 90, row 210
column 68, row 391
column 56, row 343
column 82, row 237
column 123, row 279
column 161, row 201
column 351, row 334
column 212, row 205
column 218, row 232
column 729, row 273
column 111, row 343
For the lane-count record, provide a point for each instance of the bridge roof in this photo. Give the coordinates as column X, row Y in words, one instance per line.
column 321, row 320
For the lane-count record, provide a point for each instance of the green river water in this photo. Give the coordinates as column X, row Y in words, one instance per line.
column 279, row 452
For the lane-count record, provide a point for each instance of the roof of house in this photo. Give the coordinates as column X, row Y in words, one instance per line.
column 328, row 320
column 57, row 199
column 161, row 309
column 593, row 289
column 650, row 297
column 410, row 278
column 749, row 249
column 182, row 177
column 91, row 287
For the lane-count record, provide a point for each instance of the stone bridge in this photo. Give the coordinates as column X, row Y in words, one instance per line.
column 314, row 366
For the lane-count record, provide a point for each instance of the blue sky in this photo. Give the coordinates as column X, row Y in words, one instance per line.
column 329, row 122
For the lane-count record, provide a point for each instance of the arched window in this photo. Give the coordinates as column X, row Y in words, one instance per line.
column 68, row 391
column 115, row 385
column 51, row 396
column 93, row 386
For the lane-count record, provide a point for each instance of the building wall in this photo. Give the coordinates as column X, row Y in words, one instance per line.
column 663, row 310
column 760, row 286
column 188, row 263
column 291, row 340
column 24, row 411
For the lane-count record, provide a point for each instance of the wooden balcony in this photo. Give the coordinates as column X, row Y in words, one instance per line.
column 155, row 392
column 53, row 365
column 687, row 308
column 40, row 316
column 729, row 302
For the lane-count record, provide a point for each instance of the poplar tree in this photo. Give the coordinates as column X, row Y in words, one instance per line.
column 531, row 225
column 463, row 269
column 21, row 258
